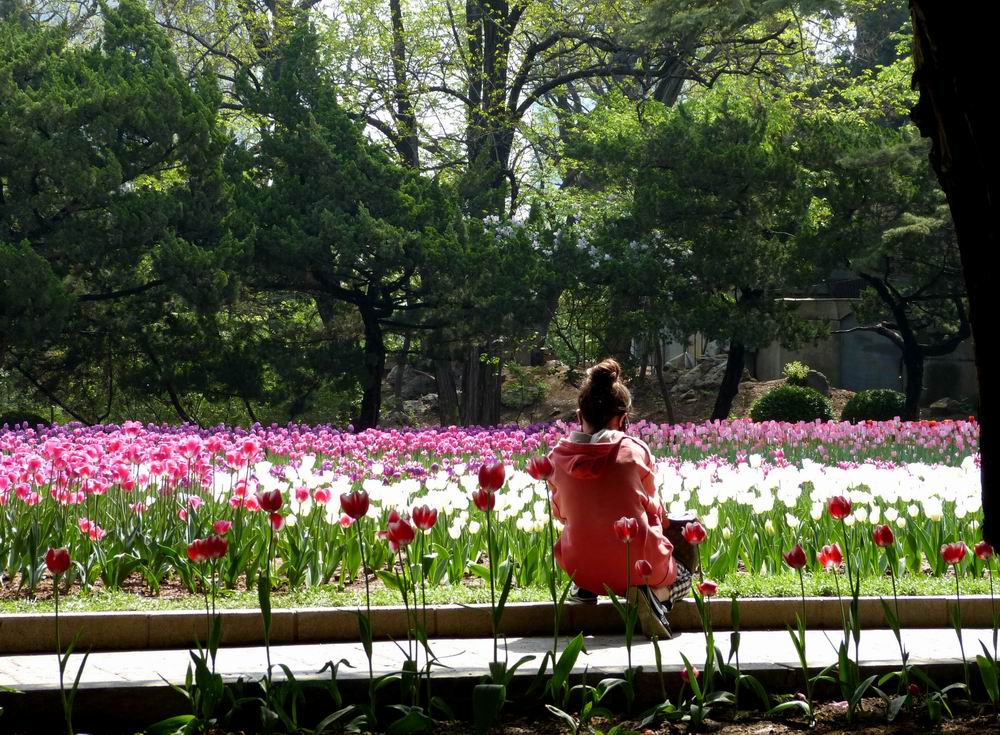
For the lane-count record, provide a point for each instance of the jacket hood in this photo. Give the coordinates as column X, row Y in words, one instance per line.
column 585, row 461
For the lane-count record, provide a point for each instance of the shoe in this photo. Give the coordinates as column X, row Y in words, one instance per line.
column 652, row 618
column 580, row 596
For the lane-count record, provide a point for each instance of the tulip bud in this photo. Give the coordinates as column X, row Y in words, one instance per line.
column 57, row 560
column 222, row 527
column 484, row 499
column 491, row 476
column 540, row 468
column 694, row 533
column 796, row 558
column 270, row 500
column 643, row 568
column 983, row 550
column 838, row 507
column 355, row 504
column 708, row 588
column 626, row 529
column 883, row 536
column 953, row 553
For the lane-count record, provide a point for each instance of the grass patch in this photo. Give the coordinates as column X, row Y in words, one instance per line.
column 740, row 585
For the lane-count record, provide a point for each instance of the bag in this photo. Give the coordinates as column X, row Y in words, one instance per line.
column 684, row 552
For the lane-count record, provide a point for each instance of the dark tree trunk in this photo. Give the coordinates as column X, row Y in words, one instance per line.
column 448, row 413
column 953, row 51
column 731, row 381
column 481, row 382
column 913, row 367
column 661, row 381
column 371, row 396
column 401, row 360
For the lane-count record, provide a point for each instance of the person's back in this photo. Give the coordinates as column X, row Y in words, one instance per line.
column 595, row 484
column 601, row 475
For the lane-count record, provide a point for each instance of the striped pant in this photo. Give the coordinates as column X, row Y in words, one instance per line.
column 680, row 588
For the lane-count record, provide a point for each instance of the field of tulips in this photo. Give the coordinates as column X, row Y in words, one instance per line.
column 128, row 500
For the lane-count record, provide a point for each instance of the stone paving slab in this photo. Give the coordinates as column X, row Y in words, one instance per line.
column 759, row 650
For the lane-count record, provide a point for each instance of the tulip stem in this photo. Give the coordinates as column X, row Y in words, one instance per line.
column 368, row 599
column 59, row 657
column 993, row 607
column 958, row 628
column 493, row 603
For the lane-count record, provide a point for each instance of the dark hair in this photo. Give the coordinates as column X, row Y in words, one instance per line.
column 603, row 395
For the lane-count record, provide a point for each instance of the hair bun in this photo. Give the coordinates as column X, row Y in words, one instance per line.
column 605, row 373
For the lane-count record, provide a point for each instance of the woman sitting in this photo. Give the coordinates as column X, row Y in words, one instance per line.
column 600, row 475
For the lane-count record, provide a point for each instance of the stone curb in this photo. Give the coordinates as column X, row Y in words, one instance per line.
column 35, row 633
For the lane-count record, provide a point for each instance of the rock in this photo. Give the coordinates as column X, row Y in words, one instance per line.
column 817, row 381
column 416, row 383
column 947, row 408
column 714, row 377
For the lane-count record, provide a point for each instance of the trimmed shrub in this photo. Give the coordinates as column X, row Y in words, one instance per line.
column 792, row 403
column 796, row 373
column 878, row 404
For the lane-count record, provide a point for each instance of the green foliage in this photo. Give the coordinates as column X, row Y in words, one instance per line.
column 879, row 404
column 796, row 373
column 717, row 210
column 522, row 389
column 792, row 403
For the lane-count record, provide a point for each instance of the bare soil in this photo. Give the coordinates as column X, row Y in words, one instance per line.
column 560, row 385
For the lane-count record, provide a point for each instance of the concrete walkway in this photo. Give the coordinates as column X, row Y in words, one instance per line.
column 141, row 676
column 759, row 650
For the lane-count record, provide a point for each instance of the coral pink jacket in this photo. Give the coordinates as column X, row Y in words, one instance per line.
column 593, row 485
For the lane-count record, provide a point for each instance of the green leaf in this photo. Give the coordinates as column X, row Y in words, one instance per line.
column 413, row 720
column 331, row 719
column 179, row 725
column 988, row 673
column 390, row 580
column 564, row 666
column 790, row 705
column 487, row 701
column 895, row 705
column 497, row 612
column 264, row 599
column 566, row 717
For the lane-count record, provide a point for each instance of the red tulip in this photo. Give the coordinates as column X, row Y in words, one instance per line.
column 914, row 690
column 393, row 517
column 883, row 536
column 796, row 558
column 953, row 553
column 686, row 678
column 694, row 533
column 491, row 476
column 484, row 499
column 355, row 503
column 643, row 568
column 708, row 588
column 57, row 560
column 983, row 550
column 270, row 500
column 399, row 533
column 222, row 527
column 830, row 556
column 540, row 468
column 424, row 517
column 839, row 507
column 196, row 551
column 626, row 528
column 216, row 547
column 277, row 521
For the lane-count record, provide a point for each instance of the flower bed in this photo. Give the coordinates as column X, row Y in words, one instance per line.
column 128, row 500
